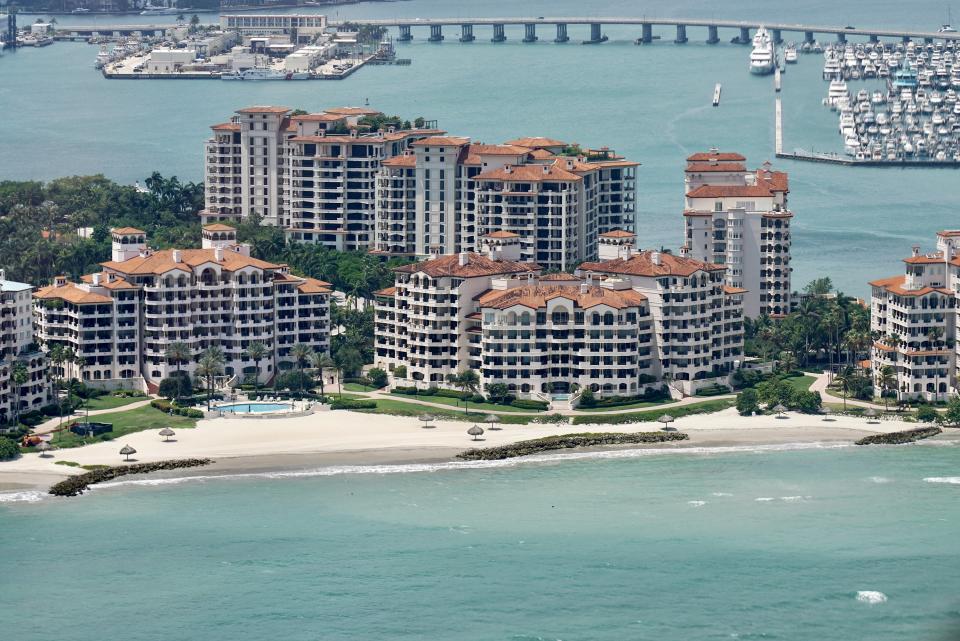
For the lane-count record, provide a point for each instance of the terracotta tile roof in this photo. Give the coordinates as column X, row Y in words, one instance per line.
column 642, row 265
column 562, row 276
column 116, row 283
column 935, row 258
column 353, row 111
column 477, row 265
column 263, row 110
column 227, row 126
column 501, row 234
column 321, row 117
column 536, row 297
column 72, row 294
column 894, row 285
column 387, row 292
column 536, row 142
column 127, row 231
column 403, row 160
column 541, row 154
column 949, row 233
column 704, row 167
column 707, row 156
column 408, row 133
column 499, row 150
column 695, row 212
column 161, row 262
column 618, row 233
column 437, row 141
column 767, row 184
column 338, row 139
column 727, row 289
column 529, row 173
column 218, row 227
column 883, row 347
column 313, row 286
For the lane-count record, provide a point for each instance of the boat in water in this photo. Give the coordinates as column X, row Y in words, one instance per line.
column 264, row 73
column 761, row 58
column 151, row 10
column 790, row 54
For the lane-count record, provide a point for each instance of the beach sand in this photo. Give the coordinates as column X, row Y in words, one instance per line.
column 332, row 438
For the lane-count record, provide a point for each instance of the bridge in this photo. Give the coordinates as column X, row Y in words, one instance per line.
column 93, row 30
column 741, row 28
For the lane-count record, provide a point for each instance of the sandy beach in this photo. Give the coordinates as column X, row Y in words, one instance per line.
column 345, row 438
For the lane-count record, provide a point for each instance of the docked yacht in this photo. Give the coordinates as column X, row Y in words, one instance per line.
column 151, row 10
column 761, row 58
column 790, row 54
column 264, row 73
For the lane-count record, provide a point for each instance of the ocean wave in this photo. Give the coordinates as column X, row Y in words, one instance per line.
column 764, row 499
column 951, row 480
column 31, row 496
column 871, row 596
column 879, row 479
column 721, row 494
column 411, row 468
column 696, row 503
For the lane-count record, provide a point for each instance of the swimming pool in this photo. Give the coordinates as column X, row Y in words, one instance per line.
column 254, row 408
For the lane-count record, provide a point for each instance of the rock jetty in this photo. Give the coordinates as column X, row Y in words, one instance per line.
column 566, row 441
column 78, row 484
column 899, row 438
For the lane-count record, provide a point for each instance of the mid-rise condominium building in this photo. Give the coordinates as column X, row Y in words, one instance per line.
column 915, row 319
column 446, row 193
column 18, row 351
column 621, row 324
column 314, row 175
column 739, row 219
column 122, row 320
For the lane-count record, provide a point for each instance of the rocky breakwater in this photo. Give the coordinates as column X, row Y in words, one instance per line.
column 78, row 484
column 899, row 438
column 567, row 441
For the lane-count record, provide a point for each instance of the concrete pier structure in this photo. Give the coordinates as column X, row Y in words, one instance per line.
column 529, row 32
column 713, row 37
column 596, row 34
column 436, row 33
column 681, row 34
column 777, row 36
column 498, row 34
column 744, row 37
column 647, row 36
column 405, row 35
column 808, row 37
column 874, row 38
column 841, row 37
column 562, row 33
column 466, row 33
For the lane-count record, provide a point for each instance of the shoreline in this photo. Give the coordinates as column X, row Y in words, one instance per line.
column 312, row 444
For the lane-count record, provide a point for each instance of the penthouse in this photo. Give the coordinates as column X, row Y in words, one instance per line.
column 122, row 320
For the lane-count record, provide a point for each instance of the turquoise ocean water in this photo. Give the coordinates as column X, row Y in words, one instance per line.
column 650, row 103
column 747, row 545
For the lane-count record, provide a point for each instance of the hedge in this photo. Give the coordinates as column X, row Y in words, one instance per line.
column 167, row 406
column 525, row 404
column 8, row 449
column 705, row 407
column 350, row 404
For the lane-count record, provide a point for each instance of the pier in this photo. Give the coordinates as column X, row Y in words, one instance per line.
column 742, row 29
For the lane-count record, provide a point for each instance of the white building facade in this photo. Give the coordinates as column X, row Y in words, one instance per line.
column 18, row 350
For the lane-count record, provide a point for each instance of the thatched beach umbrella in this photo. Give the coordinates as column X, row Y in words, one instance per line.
column 43, row 448
column 126, row 450
column 826, row 411
column 666, row 419
column 871, row 415
column 780, row 409
column 166, row 433
column 475, row 432
column 427, row 419
column 492, row 419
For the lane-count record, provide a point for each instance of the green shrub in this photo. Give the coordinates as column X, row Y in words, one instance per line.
column 926, row 414
column 747, row 402
column 377, row 377
column 8, row 449
column 713, row 390
column 525, row 404
column 587, row 399
column 176, row 386
column 400, row 371
column 167, row 407
column 32, row 418
column 350, row 404
column 649, row 416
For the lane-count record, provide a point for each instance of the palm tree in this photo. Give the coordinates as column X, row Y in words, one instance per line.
column 301, row 354
column 788, row 362
column 19, row 377
column 176, row 354
column 887, row 379
column 256, row 352
column 57, row 357
column 845, row 379
column 209, row 365
column 320, row 361
column 468, row 382
column 935, row 334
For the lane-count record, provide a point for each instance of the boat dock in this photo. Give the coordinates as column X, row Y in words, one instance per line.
column 716, row 94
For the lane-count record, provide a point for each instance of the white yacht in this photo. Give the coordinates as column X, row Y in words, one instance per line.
column 264, row 73
column 761, row 58
column 151, row 10
column 838, row 90
column 790, row 54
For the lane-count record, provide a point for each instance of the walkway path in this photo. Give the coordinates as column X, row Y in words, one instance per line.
column 820, row 385
column 53, row 423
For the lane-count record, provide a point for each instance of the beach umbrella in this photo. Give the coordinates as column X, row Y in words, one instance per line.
column 166, row 433
column 780, row 409
column 126, row 450
column 426, row 418
column 492, row 419
column 43, row 448
column 666, row 419
column 826, row 413
column 871, row 415
column 475, row 432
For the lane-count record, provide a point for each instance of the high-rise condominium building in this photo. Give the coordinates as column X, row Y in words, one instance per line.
column 739, row 219
column 19, row 354
column 121, row 320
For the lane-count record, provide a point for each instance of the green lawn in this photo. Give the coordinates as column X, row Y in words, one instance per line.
column 446, row 400
column 401, row 408
column 705, row 407
column 142, row 418
column 109, row 402
column 357, row 387
column 801, row 383
column 628, row 406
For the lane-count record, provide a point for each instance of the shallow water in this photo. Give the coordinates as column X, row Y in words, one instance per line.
column 789, row 544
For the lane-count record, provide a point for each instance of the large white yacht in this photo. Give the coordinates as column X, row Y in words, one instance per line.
column 761, row 58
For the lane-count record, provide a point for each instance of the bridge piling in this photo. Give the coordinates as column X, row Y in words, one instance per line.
column 874, row 38
column 562, row 33
column 681, row 34
column 906, row 39
column 405, row 35
column 808, row 37
column 436, row 33
column 647, row 36
column 466, row 33
column 498, row 34
column 841, row 37
column 744, row 38
column 596, row 34
column 530, row 32
column 712, row 36
column 777, row 36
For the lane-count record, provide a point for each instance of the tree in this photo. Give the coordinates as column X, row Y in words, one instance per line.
column 19, row 376
column 935, row 334
column 469, row 382
column 319, row 362
column 498, row 392
column 377, row 377
column 747, row 402
column 210, row 365
column 926, row 414
column 8, row 449
column 348, row 361
column 805, row 401
column 952, row 415
column 400, row 371
column 172, row 387
column 176, row 354
column 301, row 354
column 58, row 356
column 845, row 380
column 256, row 352
column 819, row 287
column 788, row 362
column 887, row 380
